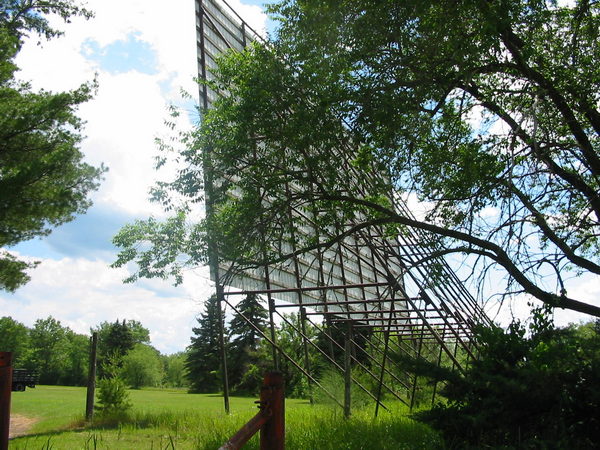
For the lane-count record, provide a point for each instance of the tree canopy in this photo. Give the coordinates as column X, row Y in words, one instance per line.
column 43, row 179
column 485, row 111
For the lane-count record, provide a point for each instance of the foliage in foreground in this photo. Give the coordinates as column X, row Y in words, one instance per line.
column 536, row 391
column 43, row 179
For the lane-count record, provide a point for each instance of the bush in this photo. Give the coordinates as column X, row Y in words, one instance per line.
column 334, row 382
column 113, row 398
column 536, row 391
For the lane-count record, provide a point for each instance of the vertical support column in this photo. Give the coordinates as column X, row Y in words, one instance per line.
column 386, row 346
column 439, row 362
column 416, row 379
column 272, row 434
column 91, row 384
column 5, row 393
column 347, row 376
column 220, row 302
column 202, row 62
column 213, row 258
column 271, row 304
column 302, row 319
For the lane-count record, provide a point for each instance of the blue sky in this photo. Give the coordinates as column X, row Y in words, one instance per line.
column 142, row 57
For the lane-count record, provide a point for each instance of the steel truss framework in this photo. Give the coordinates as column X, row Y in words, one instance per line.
column 366, row 284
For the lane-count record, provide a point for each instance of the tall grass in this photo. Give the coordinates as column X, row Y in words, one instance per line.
column 166, row 420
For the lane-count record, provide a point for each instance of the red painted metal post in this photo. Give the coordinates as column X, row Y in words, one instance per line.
column 270, row 420
column 5, row 392
column 247, row 431
column 272, row 396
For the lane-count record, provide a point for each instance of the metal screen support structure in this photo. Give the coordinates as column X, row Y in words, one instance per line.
column 416, row 379
column 6, row 370
column 352, row 283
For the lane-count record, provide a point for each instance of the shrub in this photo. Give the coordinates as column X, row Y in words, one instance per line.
column 113, row 398
column 536, row 391
column 334, row 382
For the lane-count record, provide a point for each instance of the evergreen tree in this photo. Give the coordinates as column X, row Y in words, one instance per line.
column 114, row 341
column 203, row 361
column 245, row 368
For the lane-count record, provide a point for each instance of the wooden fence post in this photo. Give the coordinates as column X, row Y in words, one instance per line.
column 5, row 392
column 272, row 434
column 91, row 384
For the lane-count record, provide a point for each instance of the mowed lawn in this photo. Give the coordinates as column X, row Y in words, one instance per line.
column 174, row 419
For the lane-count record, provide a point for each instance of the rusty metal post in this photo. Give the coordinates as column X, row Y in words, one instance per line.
column 416, row 380
column 5, row 392
column 91, row 384
column 270, row 420
column 272, row 395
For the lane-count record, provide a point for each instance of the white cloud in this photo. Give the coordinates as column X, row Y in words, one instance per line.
column 253, row 15
column 585, row 289
column 81, row 293
column 123, row 120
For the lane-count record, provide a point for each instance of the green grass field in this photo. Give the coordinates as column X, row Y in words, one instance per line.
column 174, row 419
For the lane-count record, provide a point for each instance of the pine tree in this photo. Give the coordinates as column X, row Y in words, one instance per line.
column 203, row 361
column 245, row 362
column 115, row 341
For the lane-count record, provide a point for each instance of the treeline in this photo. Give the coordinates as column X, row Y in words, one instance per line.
column 61, row 356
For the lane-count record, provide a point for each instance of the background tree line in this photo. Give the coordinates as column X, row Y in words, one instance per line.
column 61, row 356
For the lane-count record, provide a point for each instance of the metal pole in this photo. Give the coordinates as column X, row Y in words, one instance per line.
column 5, row 392
column 302, row 319
column 416, row 379
column 386, row 347
column 91, row 384
column 271, row 304
column 220, row 300
column 435, row 384
column 270, row 420
column 347, row 377
column 213, row 259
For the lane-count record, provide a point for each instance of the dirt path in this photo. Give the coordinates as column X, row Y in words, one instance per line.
column 19, row 425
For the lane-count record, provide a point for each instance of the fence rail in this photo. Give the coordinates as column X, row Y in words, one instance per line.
column 270, row 420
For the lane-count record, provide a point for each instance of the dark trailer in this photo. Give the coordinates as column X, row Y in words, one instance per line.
column 23, row 378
